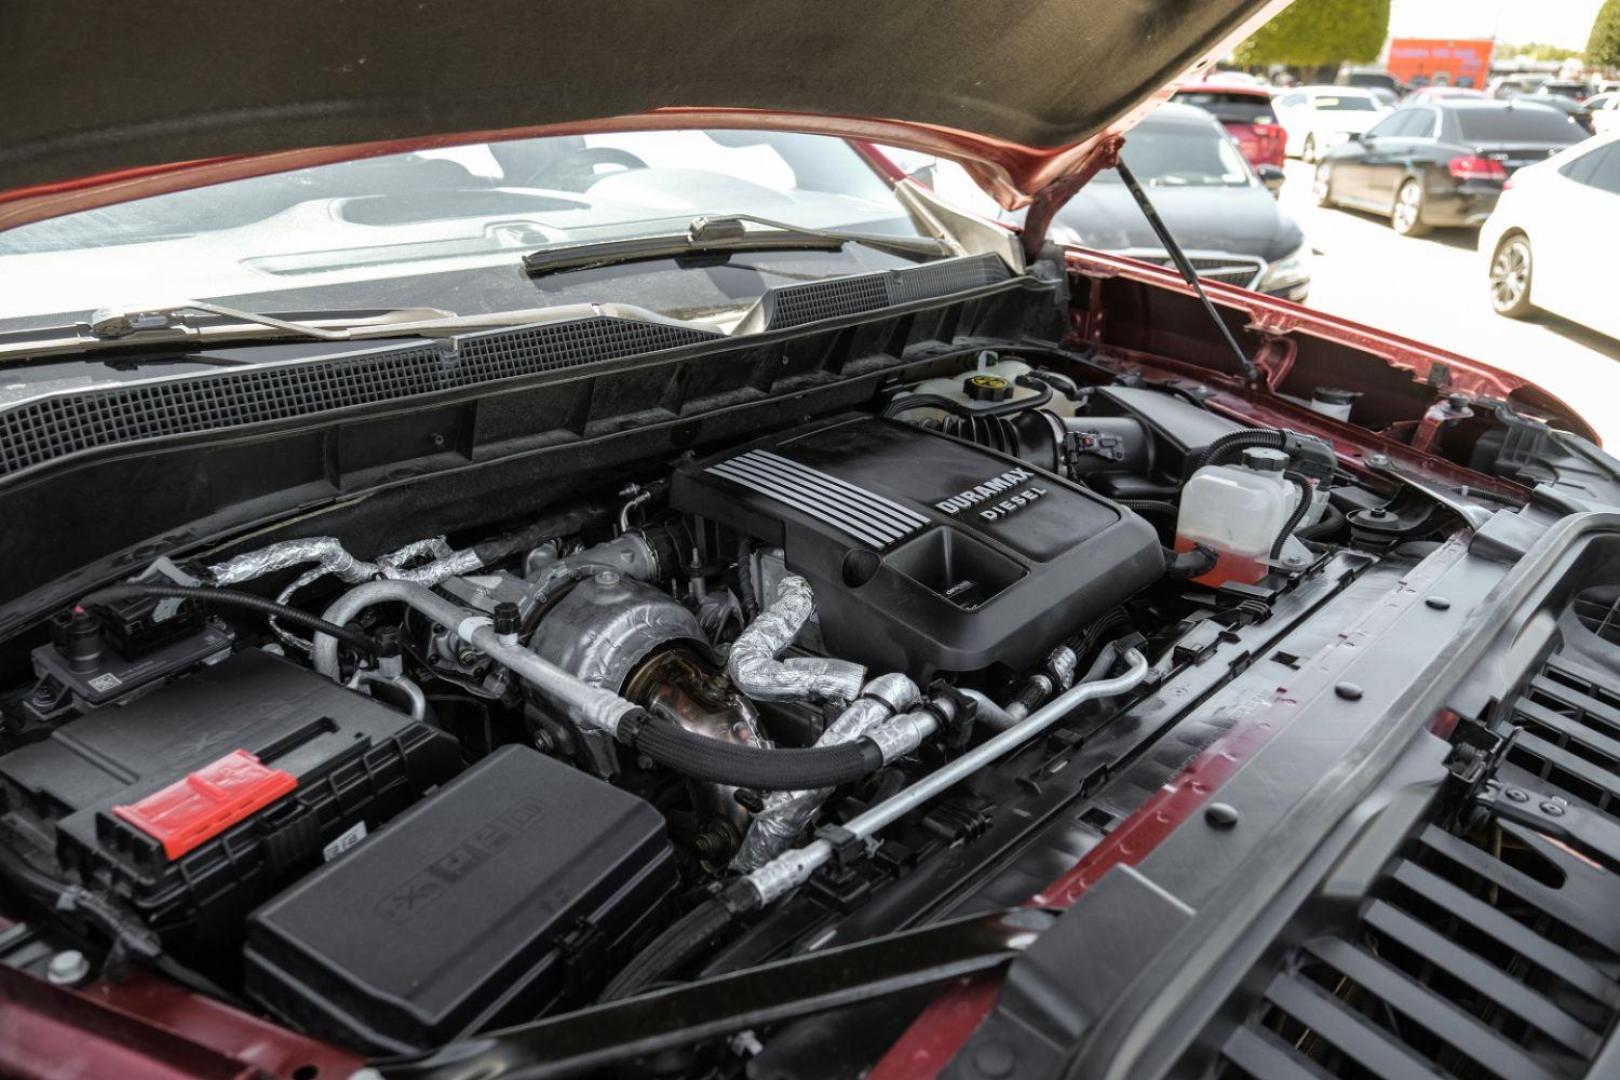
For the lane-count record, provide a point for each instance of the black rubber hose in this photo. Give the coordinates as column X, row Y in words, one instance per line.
column 1182, row 565
column 565, row 522
column 1233, row 443
column 232, row 598
column 120, row 927
column 1333, row 520
column 677, row 946
column 1300, row 510
column 699, row 757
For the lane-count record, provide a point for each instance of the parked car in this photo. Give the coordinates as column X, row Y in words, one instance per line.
column 1368, row 78
column 1567, row 88
column 1219, row 210
column 1246, row 113
column 1507, row 86
column 1386, row 98
column 1318, row 118
column 1439, row 93
column 1442, row 163
column 1577, row 111
column 1553, row 230
column 527, row 550
column 1604, row 110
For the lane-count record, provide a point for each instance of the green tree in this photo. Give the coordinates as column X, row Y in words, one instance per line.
column 1315, row 33
column 1603, row 47
column 1535, row 50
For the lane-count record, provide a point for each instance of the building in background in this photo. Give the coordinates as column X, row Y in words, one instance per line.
column 1440, row 61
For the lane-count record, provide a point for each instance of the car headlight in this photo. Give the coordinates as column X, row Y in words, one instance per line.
column 1291, row 269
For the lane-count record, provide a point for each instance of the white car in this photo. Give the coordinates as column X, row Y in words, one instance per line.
column 1318, row 118
column 1556, row 225
column 1605, row 110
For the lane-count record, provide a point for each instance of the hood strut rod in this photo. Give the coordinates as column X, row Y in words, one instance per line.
column 1251, row 373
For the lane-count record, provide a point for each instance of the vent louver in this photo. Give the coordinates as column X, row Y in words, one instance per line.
column 1467, row 963
column 795, row 305
column 1493, row 957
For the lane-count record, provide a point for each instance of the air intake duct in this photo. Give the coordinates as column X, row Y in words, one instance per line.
column 1074, row 446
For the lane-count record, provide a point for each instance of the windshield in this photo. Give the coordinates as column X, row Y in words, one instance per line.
column 445, row 209
column 1230, row 108
column 1534, row 123
column 1345, row 103
column 1181, row 155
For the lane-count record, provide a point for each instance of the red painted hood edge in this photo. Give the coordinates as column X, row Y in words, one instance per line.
column 1274, row 316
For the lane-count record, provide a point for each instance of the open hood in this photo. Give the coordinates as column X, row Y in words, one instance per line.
column 1023, row 94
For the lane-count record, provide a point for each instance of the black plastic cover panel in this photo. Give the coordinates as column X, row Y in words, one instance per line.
column 484, row 904
column 356, row 762
column 927, row 553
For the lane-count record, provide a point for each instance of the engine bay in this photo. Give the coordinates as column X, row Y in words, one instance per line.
column 395, row 798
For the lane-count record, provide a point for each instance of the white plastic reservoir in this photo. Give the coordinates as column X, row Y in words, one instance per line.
column 1237, row 510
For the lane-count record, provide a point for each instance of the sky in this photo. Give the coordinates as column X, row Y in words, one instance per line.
column 1554, row 22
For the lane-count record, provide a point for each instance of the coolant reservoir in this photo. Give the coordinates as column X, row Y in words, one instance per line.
column 1237, row 510
column 992, row 382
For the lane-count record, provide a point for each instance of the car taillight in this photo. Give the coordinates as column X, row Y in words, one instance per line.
column 1474, row 167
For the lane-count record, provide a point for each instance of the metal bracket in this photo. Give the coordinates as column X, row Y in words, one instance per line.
column 1592, row 835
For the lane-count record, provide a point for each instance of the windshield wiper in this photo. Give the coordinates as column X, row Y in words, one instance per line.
column 202, row 322
column 119, row 323
column 1251, row 373
column 727, row 232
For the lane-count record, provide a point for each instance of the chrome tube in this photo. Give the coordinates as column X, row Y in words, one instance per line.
column 756, row 671
column 791, row 869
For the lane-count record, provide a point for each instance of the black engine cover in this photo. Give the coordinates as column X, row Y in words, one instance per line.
column 927, row 553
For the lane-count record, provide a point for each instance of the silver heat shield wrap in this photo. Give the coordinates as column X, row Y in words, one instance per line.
column 609, row 624
column 756, row 671
column 330, row 557
column 334, row 559
column 787, row 813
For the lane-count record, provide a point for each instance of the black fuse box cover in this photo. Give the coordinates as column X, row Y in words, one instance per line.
column 356, row 763
column 926, row 553
column 519, row 884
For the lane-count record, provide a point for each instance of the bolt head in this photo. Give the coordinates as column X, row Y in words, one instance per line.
column 1438, row 603
column 1552, row 809
column 1349, row 691
column 1221, row 815
column 1515, row 795
column 67, row 968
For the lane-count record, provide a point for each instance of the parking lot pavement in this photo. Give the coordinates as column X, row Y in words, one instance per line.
column 1433, row 290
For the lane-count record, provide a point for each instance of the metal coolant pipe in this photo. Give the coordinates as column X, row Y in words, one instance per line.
column 791, row 869
column 584, row 703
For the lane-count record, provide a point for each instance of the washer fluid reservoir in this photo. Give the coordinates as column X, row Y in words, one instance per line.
column 1237, row 510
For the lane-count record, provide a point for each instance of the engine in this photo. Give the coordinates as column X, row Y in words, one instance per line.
column 926, row 553
column 394, row 799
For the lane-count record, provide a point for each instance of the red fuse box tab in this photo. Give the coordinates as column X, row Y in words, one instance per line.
column 208, row 801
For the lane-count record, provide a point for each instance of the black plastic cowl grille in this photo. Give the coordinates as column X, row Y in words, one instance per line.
column 795, row 305
column 44, row 429
column 38, row 431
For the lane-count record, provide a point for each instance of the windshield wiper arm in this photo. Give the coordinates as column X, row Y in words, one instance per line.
column 1251, row 373
column 199, row 322
column 727, row 232
column 118, row 323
